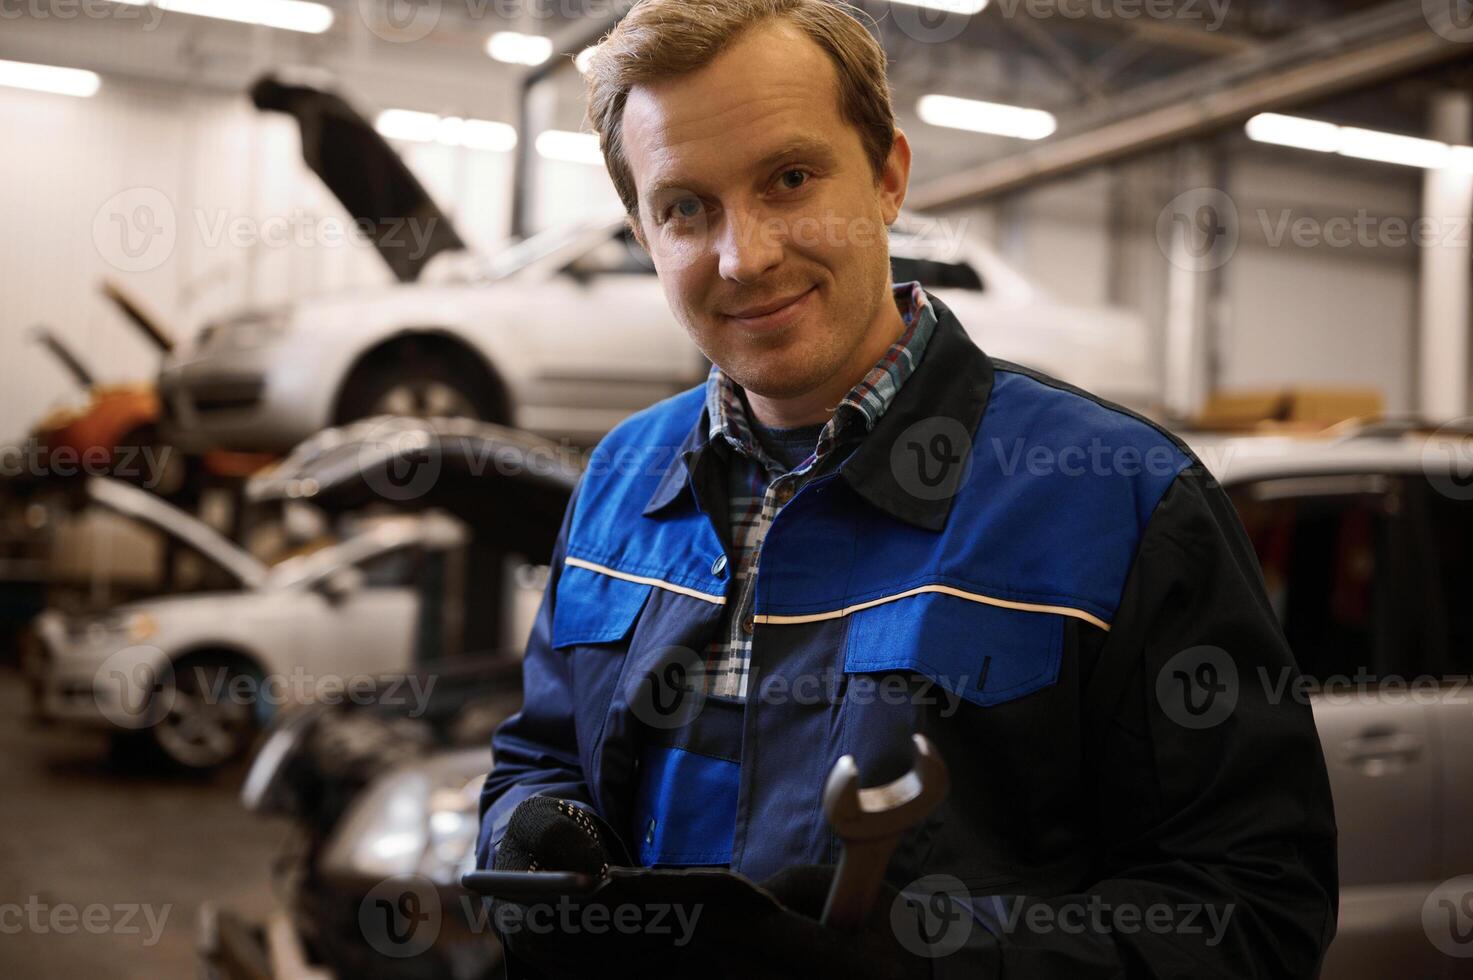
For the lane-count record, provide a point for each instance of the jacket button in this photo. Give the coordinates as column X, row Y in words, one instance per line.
column 718, row 567
column 747, row 626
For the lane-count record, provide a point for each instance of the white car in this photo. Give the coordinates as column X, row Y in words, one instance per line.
column 563, row 334
column 195, row 675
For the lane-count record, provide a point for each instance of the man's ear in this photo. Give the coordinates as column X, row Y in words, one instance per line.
column 895, row 178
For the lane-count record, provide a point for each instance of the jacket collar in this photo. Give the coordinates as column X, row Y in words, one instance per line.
column 952, row 383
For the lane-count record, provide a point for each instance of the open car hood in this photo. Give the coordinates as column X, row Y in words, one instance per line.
column 506, row 484
column 155, row 511
column 365, row 174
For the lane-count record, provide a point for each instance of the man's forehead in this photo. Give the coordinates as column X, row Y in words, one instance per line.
column 770, row 87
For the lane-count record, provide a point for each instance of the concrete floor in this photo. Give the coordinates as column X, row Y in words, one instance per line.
column 80, row 832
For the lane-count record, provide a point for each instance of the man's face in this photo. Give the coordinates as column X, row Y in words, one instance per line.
column 755, row 192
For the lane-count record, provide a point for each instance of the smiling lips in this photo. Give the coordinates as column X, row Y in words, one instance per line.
column 766, row 316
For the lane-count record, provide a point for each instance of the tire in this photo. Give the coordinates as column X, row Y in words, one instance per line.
column 202, row 728
column 418, row 384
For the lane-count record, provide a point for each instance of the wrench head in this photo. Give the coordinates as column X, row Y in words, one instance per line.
column 858, row 814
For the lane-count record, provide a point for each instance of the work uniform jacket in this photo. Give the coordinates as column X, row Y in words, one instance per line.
column 1052, row 589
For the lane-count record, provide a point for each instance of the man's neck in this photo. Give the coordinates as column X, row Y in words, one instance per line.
column 818, row 404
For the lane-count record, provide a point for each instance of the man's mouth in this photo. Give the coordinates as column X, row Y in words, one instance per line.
column 773, row 313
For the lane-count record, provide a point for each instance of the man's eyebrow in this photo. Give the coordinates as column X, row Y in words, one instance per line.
column 802, row 147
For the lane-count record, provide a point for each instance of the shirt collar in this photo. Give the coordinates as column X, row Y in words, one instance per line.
column 953, row 383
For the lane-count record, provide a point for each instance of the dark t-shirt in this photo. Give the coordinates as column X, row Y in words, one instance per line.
column 788, row 446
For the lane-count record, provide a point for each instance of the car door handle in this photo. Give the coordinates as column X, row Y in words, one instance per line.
column 1379, row 752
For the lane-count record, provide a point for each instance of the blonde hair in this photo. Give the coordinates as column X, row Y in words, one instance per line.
column 663, row 38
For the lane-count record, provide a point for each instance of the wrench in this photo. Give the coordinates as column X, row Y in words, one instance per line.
column 871, row 822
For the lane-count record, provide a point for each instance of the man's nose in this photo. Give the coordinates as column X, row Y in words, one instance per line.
column 750, row 246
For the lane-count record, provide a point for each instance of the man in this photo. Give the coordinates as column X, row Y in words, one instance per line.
column 861, row 527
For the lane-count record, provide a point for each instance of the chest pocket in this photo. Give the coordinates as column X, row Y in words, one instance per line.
column 592, row 607
column 982, row 653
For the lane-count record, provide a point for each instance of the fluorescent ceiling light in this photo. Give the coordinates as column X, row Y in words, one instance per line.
column 1303, row 134
column 286, row 15
column 1409, row 151
column 585, row 58
column 1351, row 141
column 519, row 49
column 986, row 117
column 558, row 144
column 950, row 6
column 426, row 127
column 49, row 78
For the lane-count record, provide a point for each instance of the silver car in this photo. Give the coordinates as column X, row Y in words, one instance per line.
column 193, row 676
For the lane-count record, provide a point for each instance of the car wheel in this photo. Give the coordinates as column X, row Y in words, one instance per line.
column 206, row 725
column 427, row 386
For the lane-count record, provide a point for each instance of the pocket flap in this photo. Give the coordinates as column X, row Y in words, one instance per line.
column 592, row 607
column 986, row 654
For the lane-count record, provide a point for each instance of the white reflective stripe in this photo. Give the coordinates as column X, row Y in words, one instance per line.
column 944, row 590
column 719, row 600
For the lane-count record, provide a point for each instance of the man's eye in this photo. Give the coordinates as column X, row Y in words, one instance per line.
column 789, row 181
column 686, row 208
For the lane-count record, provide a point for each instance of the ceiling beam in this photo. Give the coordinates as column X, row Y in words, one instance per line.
column 1315, row 63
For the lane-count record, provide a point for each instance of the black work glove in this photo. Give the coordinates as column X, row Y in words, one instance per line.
column 548, row 834
column 543, row 834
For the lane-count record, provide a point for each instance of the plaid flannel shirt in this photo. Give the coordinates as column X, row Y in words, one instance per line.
column 759, row 485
